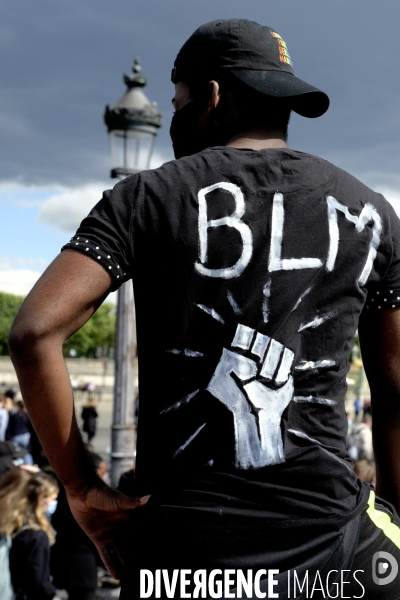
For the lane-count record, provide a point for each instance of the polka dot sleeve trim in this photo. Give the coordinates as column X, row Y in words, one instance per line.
column 379, row 299
column 95, row 251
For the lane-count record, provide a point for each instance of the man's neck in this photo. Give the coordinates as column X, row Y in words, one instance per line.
column 257, row 140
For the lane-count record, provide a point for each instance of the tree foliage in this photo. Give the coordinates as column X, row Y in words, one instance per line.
column 98, row 332
column 9, row 305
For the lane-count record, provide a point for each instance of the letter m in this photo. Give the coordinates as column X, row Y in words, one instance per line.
column 367, row 215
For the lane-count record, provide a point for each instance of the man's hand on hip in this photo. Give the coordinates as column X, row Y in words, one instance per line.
column 103, row 514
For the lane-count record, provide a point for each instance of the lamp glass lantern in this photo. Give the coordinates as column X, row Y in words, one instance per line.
column 132, row 123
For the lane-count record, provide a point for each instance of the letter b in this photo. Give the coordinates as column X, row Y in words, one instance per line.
column 234, row 220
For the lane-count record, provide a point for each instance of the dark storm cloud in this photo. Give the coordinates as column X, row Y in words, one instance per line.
column 63, row 61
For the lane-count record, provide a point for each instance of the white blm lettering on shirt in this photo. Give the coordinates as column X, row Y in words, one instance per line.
column 276, row 262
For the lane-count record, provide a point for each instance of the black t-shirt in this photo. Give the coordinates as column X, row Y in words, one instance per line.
column 250, row 271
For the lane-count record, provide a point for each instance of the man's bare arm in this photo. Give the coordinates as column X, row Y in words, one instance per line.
column 380, row 347
column 61, row 302
column 63, row 299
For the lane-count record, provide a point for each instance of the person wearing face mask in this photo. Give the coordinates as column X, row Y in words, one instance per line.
column 253, row 265
column 24, row 519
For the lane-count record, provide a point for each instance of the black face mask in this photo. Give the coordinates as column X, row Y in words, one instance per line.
column 186, row 138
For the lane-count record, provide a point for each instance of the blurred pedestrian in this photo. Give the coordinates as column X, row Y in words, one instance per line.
column 11, row 456
column 10, row 486
column 74, row 558
column 351, row 447
column 24, row 519
column 19, row 430
column 367, row 407
column 357, row 407
column 361, row 436
column 89, row 417
column 6, row 404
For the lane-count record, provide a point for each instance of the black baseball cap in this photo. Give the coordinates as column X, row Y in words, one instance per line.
column 255, row 54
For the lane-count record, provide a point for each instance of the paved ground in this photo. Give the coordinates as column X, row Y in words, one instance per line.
column 102, row 441
column 105, row 593
column 101, row 594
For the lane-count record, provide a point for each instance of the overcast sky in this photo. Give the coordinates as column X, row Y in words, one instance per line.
column 62, row 62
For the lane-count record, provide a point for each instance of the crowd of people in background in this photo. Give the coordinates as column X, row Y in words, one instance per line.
column 42, row 549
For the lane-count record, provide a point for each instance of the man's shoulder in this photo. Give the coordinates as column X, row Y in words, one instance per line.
column 349, row 187
column 336, row 172
column 175, row 167
column 313, row 171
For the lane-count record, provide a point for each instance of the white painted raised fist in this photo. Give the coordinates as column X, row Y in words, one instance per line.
column 256, row 391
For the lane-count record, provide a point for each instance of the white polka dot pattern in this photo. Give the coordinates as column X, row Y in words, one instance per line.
column 391, row 298
column 98, row 254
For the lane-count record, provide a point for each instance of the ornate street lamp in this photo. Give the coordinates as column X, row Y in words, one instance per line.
column 132, row 123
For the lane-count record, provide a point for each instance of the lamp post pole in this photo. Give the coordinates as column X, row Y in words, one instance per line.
column 132, row 123
column 123, row 428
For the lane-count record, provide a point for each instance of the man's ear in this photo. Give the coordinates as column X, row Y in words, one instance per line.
column 214, row 94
